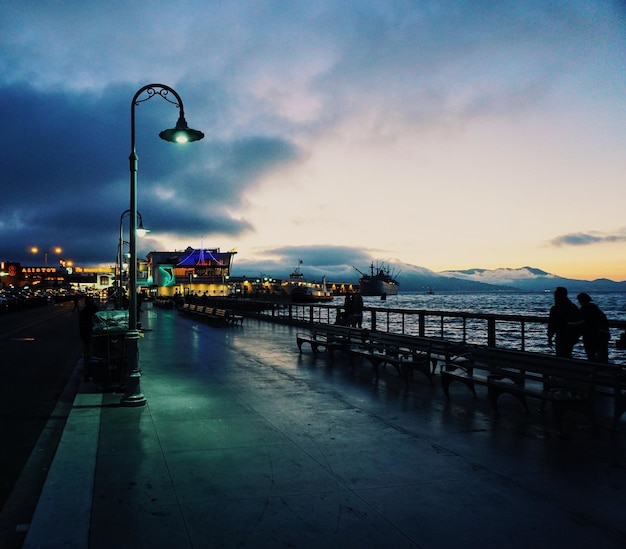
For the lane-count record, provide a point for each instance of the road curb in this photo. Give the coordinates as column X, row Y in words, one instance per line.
column 59, row 520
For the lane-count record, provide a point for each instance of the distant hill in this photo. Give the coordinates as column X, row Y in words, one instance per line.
column 525, row 279
column 533, row 279
column 414, row 279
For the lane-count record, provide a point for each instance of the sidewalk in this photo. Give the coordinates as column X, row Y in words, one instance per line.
column 245, row 443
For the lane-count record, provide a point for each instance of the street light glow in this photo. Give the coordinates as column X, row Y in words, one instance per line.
column 181, row 133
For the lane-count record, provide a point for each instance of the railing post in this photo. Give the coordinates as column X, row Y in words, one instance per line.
column 523, row 336
column 491, row 332
column 311, row 314
column 422, row 324
column 290, row 312
column 373, row 320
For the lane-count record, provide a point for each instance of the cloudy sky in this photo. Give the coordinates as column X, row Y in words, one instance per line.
column 443, row 134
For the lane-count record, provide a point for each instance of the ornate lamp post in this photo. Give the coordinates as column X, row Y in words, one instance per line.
column 133, row 395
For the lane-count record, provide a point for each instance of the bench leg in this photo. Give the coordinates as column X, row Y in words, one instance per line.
column 494, row 392
column 375, row 365
column 396, row 365
column 409, row 367
column 619, row 408
column 584, row 406
column 446, row 380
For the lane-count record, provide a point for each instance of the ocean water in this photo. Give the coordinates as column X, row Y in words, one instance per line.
column 520, row 303
column 508, row 334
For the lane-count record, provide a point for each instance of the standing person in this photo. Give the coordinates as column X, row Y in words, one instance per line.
column 85, row 327
column 348, row 307
column 357, row 310
column 596, row 334
column 564, row 324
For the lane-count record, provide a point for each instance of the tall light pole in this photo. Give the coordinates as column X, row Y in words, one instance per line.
column 133, row 395
column 56, row 249
column 141, row 231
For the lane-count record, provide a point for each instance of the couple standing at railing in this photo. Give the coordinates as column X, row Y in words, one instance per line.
column 352, row 314
column 567, row 323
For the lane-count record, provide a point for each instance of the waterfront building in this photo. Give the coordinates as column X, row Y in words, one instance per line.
column 201, row 271
column 14, row 275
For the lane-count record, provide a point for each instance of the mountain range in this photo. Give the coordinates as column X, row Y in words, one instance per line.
column 529, row 279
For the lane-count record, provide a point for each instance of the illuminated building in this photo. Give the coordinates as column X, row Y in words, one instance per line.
column 197, row 271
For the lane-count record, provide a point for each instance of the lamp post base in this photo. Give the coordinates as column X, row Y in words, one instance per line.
column 133, row 395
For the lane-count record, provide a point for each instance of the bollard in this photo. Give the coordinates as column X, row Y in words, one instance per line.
column 133, row 395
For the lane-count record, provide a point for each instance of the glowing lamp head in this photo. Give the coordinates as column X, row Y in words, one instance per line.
column 181, row 133
column 141, row 230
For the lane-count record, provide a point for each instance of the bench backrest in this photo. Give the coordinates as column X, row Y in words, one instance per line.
column 540, row 366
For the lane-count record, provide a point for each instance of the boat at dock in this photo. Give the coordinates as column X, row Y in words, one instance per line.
column 380, row 281
column 301, row 290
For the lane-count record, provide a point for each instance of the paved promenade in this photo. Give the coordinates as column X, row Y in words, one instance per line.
column 245, row 443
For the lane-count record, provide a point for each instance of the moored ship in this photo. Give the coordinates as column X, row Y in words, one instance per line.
column 304, row 291
column 380, row 281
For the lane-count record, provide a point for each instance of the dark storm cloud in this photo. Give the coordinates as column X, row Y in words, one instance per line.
column 65, row 173
column 337, row 262
column 56, row 142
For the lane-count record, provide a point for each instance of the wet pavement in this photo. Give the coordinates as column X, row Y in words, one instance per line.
column 244, row 442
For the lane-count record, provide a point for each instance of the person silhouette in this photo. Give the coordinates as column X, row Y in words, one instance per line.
column 357, row 310
column 348, row 307
column 564, row 324
column 596, row 334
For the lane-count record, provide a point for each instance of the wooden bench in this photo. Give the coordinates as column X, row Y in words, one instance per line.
column 187, row 309
column 164, row 303
column 404, row 353
column 331, row 337
column 219, row 317
column 211, row 315
column 233, row 318
column 566, row 384
column 408, row 354
column 612, row 379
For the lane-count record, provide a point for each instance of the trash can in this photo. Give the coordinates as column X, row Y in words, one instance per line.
column 108, row 346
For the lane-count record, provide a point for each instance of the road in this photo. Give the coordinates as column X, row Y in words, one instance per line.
column 39, row 351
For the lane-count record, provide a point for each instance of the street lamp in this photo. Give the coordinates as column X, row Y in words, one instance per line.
column 133, row 395
column 57, row 250
column 141, row 232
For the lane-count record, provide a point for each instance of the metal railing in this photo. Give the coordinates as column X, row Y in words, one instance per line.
column 525, row 333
